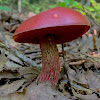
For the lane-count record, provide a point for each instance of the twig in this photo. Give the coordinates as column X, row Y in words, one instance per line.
column 66, row 71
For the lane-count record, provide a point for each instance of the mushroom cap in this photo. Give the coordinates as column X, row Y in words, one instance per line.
column 65, row 24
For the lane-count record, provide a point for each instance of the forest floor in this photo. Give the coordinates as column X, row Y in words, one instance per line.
column 20, row 64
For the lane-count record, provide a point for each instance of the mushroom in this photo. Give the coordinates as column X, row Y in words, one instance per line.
column 54, row 26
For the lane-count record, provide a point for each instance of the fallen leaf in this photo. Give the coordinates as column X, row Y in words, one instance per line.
column 86, row 97
column 93, row 80
column 14, row 96
column 3, row 60
column 10, row 88
column 43, row 92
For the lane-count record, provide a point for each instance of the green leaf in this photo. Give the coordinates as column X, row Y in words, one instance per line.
column 62, row 4
column 79, row 6
column 91, row 9
column 93, row 1
column 5, row 8
column 76, row 3
column 98, row 16
column 67, row 2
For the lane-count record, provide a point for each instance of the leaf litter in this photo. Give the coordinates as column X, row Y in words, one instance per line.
column 20, row 67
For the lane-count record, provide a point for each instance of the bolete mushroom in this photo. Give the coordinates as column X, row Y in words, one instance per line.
column 51, row 27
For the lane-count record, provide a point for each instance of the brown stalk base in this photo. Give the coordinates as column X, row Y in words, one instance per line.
column 50, row 61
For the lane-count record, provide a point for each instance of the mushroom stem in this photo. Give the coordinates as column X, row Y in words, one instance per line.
column 50, row 61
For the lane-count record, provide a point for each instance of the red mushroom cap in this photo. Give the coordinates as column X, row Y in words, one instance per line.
column 64, row 23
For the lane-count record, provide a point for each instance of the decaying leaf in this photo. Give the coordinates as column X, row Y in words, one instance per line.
column 10, row 88
column 86, row 97
column 84, row 83
column 28, row 70
column 23, row 65
column 3, row 60
column 93, row 81
column 8, row 74
column 15, row 58
column 43, row 92
column 14, row 96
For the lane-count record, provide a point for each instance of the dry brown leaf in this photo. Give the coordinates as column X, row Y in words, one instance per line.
column 3, row 60
column 8, row 74
column 14, row 96
column 43, row 92
column 84, row 82
column 93, row 80
column 10, row 88
column 86, row 97
column 28, row 70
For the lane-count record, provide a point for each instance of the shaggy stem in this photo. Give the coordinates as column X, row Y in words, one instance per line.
column 50, row 61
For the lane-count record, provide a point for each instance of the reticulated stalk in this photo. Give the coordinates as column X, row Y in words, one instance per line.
column 50, row 61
